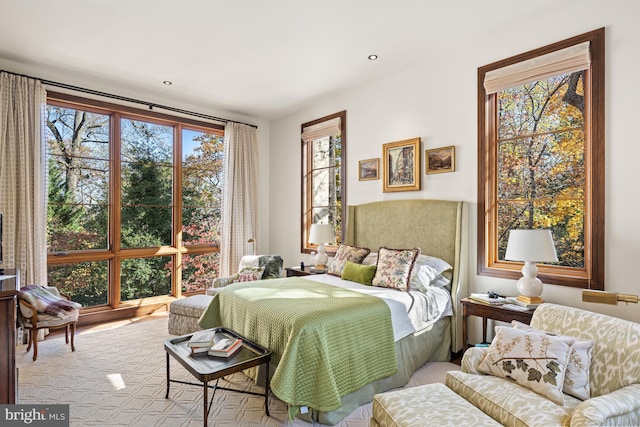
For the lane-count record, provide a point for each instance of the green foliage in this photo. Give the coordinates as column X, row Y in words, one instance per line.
column 78, row 209
column 541, row 176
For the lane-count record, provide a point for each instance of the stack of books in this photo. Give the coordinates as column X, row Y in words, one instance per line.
column 201, row 341
column 521, row 303
column 225, row 347
column 486, row 299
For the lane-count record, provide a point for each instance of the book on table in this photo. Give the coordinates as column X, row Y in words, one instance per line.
column 203, row 338
column 485, row 299
column 225, row 347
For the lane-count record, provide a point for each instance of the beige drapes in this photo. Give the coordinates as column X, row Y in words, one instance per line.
column 22, row 177
column 239, row 195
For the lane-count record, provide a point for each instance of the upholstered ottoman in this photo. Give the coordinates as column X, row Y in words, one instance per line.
column 184, row 314
column 428, row 405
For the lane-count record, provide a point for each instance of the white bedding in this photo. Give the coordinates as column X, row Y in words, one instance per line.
column 410, row 311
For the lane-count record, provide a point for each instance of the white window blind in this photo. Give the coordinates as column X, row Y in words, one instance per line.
column 321, row 130
column 564, row 61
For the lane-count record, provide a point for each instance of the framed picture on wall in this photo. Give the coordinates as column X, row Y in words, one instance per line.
column 440, row 160
column 401, row 165
column 368, row 169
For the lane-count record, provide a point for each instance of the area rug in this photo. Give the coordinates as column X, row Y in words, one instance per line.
column 117, row 377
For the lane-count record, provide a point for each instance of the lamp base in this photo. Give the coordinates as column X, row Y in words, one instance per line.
column 320, row 267
column 530, row 300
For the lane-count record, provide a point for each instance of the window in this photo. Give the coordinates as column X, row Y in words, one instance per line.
column 133, row 202
column 541, row 158
column 323, row 176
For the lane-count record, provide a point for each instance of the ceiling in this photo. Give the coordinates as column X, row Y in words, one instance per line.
column 258, row 58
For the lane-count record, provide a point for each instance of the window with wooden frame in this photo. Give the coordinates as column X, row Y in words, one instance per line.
column 133, row 203
column 541, row 158
column 323, row 177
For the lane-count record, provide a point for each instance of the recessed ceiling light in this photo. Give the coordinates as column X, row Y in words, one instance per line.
column 167, row 82
column 372, row 57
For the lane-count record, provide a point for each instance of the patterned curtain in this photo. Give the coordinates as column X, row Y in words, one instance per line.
column 22, row 177
column 239, row 195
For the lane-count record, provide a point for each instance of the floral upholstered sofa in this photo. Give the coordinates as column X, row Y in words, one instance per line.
column 584, row 371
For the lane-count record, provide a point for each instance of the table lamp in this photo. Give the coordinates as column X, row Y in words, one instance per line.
column 530, row 246
column 321, row 234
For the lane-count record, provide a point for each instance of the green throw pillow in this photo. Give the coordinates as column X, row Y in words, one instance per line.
column 358, row 273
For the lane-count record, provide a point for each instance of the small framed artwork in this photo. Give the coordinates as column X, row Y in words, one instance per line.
column 440, row 160
column 401, row 165
column 368, row 169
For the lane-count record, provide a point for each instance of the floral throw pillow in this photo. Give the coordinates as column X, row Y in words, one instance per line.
column 250, row 274
column 576, row 379
column 346, row 253
column 535, row 361
column 394, row 268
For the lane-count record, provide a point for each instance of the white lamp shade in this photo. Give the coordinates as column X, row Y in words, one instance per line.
column 321, row 233
column 531, row 245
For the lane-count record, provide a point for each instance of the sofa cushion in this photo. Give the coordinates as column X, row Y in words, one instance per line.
column 535, row 361
column 510, row 403
column 576, row 379
column 615, row 360
column 426, row 405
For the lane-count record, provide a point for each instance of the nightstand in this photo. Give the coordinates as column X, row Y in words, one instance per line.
column 295, row 271
column 495, row 312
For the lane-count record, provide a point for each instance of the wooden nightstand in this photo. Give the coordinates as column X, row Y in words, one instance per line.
column 495, row 312
column 295, row 271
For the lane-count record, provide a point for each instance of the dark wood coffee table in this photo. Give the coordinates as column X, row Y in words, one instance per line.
column 208, row 368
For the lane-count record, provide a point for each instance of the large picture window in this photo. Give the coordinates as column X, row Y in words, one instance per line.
column 133, row 203
column 541, row 158
column 323, row 177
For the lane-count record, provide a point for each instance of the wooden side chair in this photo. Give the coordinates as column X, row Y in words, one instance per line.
column 45, row 308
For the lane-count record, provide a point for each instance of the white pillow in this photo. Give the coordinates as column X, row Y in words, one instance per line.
column 576, row 380
column 427, row 271
column 535, row 361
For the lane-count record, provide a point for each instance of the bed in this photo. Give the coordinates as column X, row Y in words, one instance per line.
column 438, row 228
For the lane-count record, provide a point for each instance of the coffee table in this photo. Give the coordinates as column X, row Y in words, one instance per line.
column 208, row 368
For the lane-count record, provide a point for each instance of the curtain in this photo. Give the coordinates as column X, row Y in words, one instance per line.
column 239, row 195
column 22, row 177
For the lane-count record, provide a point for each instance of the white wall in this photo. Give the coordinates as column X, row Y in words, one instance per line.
column 437, row 102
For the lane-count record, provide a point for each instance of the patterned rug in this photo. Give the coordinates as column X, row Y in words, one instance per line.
column 116, row 377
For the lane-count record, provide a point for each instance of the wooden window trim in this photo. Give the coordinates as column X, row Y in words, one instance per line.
column 305, row 187
column 593, row 275
column 115, row 309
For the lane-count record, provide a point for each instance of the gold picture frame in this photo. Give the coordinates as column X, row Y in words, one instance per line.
column 368, row 169
column 401, row 165
column 439, row 160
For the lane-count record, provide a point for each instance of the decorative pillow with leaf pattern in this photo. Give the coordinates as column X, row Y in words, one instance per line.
column 394, row 268
column 576, row 380
column 346, row 253
column 535, row 361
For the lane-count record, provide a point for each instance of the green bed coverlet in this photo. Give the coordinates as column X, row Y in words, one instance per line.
column 326, row 341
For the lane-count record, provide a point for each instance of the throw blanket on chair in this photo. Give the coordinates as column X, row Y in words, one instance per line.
column 48, row 303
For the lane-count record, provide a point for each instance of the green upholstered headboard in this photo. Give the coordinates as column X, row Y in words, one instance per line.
column 438, row 227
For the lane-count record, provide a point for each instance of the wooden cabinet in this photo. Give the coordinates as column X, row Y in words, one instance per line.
column 9, row 282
